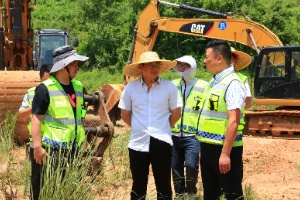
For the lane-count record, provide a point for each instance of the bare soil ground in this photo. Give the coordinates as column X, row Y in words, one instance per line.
column 271, row 166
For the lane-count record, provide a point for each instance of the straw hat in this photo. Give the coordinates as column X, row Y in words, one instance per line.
column 242, row 59
column 147, row 57
column 62, row 56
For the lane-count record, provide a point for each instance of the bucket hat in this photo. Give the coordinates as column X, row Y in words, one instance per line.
column 242, row 59
column 147, row 57
column 62, row 56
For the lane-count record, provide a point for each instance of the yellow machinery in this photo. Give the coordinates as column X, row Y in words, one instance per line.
column 279, row 87
column 17, row 75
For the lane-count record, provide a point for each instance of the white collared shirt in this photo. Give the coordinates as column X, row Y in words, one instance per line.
column 150, row 111
column 236, row 91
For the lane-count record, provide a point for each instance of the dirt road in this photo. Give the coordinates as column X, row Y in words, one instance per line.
column 272, row 166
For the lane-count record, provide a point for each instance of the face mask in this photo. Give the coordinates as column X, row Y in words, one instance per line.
column 185, row 73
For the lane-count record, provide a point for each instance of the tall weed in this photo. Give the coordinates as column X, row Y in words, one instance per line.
column 69, row 180
column 7, row 127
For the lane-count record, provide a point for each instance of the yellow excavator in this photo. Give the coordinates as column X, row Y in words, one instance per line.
column 19, row 63
column 276, row 81
column 19, row 67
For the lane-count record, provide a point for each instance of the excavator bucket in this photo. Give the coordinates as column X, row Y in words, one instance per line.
column 13, row 86
column 98, row 124
column 112, row 93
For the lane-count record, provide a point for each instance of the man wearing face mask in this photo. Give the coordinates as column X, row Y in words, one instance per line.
column 186, row 148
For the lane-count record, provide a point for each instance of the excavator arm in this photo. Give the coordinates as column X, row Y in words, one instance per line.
column 241, row 30
column 277, row 73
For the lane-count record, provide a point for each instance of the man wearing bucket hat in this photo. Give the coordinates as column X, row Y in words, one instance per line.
column 240, row 60
column 57, row 113
column 219, row 127
column 150, row 105
column 186, row 148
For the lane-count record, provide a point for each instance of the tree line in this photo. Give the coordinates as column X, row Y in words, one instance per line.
column 105, row 28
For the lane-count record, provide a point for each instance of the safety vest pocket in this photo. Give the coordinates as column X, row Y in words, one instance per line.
column 214, row 126
column 59, row 133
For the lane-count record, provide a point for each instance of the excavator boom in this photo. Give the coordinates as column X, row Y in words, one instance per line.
column 276, row 80
column 241, row 30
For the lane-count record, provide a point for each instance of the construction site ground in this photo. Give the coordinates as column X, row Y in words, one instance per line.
column 271, row 167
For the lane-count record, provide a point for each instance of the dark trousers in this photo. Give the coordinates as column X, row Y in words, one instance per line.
column 159, row 156
column 36, row 171
column 215, row 183
column 185, row 154
column 59, row 159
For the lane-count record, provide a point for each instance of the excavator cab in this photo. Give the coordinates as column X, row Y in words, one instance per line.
column 277, row 75
column 46, row 40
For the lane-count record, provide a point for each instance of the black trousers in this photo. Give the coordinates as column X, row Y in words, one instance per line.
column 215, row 183
column 38, row 172
column 159, row 156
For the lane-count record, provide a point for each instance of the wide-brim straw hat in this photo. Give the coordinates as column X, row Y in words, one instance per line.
column 63, row 56
column 242, row 59
column 147, row 57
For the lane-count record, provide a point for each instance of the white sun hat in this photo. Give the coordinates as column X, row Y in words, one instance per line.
column 62, row 56
column 187, row 59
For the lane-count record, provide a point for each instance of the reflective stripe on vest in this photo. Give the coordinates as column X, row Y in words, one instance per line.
column 214, row 118
column 190, row 112
column 59, row 127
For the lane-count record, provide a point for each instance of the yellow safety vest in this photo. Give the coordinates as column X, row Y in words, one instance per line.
column 190, row 111
column 59, row 127
column 30, row 94
column 243, row 79
column 214, row 116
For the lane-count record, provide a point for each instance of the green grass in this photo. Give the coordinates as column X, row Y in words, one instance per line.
column 297, row 166
column 6, row 135
column 114, row 181
column 95, row 78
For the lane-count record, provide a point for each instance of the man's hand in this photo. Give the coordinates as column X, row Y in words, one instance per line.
column 224, row 163
column 39, row 153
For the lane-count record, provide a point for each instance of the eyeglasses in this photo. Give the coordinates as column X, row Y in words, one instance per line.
column 183, row 65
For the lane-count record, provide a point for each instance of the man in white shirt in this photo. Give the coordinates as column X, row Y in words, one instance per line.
column 220, row 127
column 150, row 105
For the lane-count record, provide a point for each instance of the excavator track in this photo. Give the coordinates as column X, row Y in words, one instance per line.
column 276, row 122
column 13, row 86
